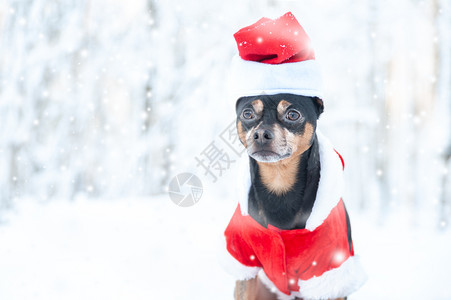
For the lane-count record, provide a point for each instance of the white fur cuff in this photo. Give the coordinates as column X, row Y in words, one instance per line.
column 336, row 283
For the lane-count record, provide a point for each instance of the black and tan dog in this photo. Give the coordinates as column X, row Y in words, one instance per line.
column 279, row 132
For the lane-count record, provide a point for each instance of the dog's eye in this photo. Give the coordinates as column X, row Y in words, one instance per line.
column 293, row 115
column 248, row 114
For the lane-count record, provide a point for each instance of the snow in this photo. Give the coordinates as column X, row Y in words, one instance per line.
column 149, row 248
column 403, row 261
column 111, row 99
column 134, row 249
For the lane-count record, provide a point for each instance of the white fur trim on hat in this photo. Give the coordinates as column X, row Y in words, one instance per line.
column 250, row 78
column 244, row 185
column 331, row 183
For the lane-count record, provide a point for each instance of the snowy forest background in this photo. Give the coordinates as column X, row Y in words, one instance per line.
column 111, row 99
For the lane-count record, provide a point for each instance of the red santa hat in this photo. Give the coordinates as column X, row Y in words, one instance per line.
column 275, row 56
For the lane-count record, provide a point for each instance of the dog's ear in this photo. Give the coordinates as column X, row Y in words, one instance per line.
column 319, row 106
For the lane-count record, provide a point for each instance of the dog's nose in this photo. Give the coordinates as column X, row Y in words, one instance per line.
column 263, row 136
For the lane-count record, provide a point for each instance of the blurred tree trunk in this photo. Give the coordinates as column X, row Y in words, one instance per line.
column 378, row 101
column 441, row 18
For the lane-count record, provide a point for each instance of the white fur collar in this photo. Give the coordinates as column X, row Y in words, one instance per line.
column 330, row 187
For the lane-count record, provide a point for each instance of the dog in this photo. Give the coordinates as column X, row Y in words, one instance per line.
column 290, row 235
column 279, row 133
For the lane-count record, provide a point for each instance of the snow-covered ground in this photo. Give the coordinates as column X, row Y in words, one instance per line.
column 153, row 249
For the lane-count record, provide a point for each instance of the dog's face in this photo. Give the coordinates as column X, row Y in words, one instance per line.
column 277, row 127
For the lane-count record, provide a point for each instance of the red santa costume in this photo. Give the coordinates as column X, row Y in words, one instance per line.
column 317, row 262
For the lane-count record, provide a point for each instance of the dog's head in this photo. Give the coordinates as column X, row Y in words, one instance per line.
column 277, row 127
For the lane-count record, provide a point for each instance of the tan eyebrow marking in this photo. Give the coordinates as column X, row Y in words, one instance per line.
column 282, row 106
column 258, row 106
